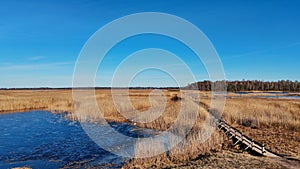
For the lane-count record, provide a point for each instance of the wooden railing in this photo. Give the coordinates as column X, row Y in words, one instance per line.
column 245, row 142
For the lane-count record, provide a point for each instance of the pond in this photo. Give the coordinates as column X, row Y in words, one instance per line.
column 274, row 95
column 40, row 139
column 280, row 97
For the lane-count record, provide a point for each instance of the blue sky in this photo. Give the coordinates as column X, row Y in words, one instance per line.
column 41, row 40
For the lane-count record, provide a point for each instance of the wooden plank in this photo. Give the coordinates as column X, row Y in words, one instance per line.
column 232, row 134
column 241, row 139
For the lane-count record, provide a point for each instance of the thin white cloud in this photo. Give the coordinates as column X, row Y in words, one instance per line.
column 246, row 54
column 257, row 52
column 35, row 66
column 35, row 58
column 293, row 44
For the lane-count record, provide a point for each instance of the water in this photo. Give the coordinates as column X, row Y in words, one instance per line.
column 243, row 92
column 280, row 97
column 274, row 95
column 40, row 139
column 276, row 92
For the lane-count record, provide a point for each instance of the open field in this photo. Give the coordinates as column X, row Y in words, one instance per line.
column 274, row 122
column 223, row 159
column 22, row 100
column 61, row 100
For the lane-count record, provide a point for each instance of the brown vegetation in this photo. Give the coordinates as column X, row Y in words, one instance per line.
column 261, row 113
column 114, row 110
column 221, row 159
column 275, row 122
column 20, row 100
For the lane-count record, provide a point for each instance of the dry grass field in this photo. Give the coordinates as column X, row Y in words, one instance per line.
column 275, row 122
column 221, row 159
column 61, row 101
column 22, row 100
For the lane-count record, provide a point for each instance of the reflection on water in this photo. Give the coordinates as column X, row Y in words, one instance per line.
column 40, row 139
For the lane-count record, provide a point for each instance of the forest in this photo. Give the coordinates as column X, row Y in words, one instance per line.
column 247, row 85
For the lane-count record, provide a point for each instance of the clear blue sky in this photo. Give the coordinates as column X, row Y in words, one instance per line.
column 40, row 40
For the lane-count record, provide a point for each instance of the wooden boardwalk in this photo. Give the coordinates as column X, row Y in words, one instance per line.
column 244, row 142
column 247, row 144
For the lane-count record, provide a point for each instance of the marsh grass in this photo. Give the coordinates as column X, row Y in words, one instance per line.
column 274, row 122
column 248, row 112
column 119, row 111
column 261, row 113
column 19, row 100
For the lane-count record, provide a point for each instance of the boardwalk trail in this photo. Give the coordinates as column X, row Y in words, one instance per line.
column 244, row 142
column 247, row 144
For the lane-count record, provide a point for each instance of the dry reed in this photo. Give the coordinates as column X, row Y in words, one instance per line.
column 239, row 111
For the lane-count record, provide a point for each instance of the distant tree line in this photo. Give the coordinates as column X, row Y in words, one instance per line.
column 247, row 85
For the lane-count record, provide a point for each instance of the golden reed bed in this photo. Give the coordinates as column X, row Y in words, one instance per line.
column 258, row 118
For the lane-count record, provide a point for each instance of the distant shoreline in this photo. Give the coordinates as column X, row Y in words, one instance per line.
column 206, row 85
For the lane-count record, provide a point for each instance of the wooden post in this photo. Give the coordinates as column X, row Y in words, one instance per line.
column 232, row 133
